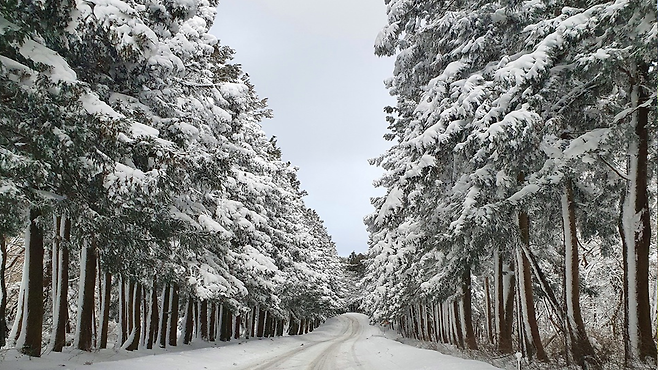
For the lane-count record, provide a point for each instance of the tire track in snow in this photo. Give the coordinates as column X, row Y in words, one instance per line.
column 280, row 359
column 327, row 359
column 353, row 346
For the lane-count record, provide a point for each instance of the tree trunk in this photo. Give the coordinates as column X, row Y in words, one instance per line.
column 106, row 288
column 267, row 324
column 130, row 312
column 261, row 323
column 3, row 291
column 581, row 348
column 487, row 310
column 422, row 321
column 525, row 288
column 84, row 329
column 253, row 314
column 132, row 343
column 457, row 324
column 524, row 344
column 188, row 321
column 29, row 340
column 211, row 326
column 164, row 316
column 504, row 302
column 123, row 311
column 17, row 326
column 145, row 323
column 136, row 317
column 279, row 327
column 153, row 317
column 227, row 324
column 469, row 337
column 293, row 328
column 429, row 316
column 203, row 317
column 437, row 322
column 416, row 326
column 173, row 314
column 54, row 272
column 636, row 234
column 236, row 330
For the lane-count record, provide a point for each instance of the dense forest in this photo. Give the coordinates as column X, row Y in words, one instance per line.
column 520, row 205
column 143, row 206
column 139, row 196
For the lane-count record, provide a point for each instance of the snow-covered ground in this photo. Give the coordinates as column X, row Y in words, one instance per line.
column 342, row 343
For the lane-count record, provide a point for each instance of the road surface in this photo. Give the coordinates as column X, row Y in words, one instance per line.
column 345, row 342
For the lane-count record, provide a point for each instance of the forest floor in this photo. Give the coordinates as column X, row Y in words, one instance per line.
column 344, row 342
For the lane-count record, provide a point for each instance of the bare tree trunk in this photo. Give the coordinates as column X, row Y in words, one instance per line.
column 267, row 324
column 17, row 326
column 211, row 326
column 236, row 330
column 432, row 322
column 457, row 324
column 54, row 268
column 227, row 324
column 416, row 327
column 445, row 334
column 29, row 340
column 261, row 323
column 106, row 288
column 188, row 320
column 279, row 328
column 581, row 348
column 523, row 342
column 197, row 319
column 145, row 309
column 469, row 337
column 302, row 325
column 525, row 287
column 130, row 300
column 636, row 231
column 504, row 306
column 293, row 329
column 203, row 317
column 487, row 310
column 3, row 291
column 135, row 315
column 436, row 326
column 173, row 316
column 153, row 316
column 84, row 329
column 253, row 314
column 123, row 311
column 423, row 321
column 61, row 308
column 164, row 316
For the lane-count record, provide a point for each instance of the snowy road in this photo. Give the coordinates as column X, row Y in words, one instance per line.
column 345, row 342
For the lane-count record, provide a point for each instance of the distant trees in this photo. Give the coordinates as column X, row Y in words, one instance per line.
column 128, row 127
column 354, row 270
column 517, row 144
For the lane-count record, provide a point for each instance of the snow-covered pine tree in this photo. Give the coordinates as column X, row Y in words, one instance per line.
column 497, row 99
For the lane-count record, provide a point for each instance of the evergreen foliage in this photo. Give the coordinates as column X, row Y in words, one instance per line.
column 129, row 119
column 500, row 107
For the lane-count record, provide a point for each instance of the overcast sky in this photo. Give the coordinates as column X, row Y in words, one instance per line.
column 314, row 62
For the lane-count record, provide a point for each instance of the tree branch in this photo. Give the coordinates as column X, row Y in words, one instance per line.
column 615, row 170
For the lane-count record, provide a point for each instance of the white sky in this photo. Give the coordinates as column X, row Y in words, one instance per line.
column 314, row 61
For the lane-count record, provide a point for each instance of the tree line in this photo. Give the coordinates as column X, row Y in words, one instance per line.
column 133, row 162
column 520, row 184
